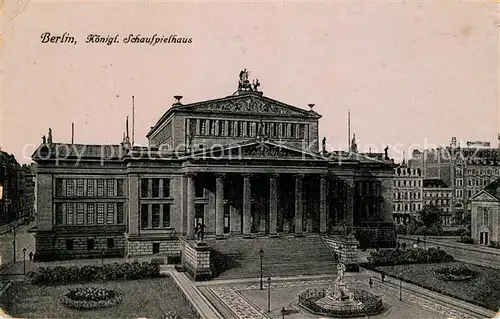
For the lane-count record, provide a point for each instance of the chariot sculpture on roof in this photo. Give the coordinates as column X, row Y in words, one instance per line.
column 244, row 82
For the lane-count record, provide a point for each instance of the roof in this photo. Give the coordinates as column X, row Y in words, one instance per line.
column 243, row 103
column 72, row 151
column 434, row 183
column 493, row 188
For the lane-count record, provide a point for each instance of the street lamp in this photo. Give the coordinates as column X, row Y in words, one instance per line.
column 400, row 287
column 24, row 260
column 261, row 255
column 13, row 230
column 425, row 244
column 268, row 294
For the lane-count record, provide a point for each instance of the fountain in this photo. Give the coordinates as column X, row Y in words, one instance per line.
column 339, row 301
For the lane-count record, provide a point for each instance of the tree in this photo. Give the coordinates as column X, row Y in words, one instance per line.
column 430, row 215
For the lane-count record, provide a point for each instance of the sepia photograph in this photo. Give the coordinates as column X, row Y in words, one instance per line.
column 250, row 159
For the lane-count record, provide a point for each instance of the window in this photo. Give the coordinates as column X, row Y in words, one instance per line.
column 156, row 187
column 222, row 128
column 119, row 213
column 79, row 214
column 284, row 128
column 59, row 187
column 301, row 130
column 230, row 128
column 250, row 129
column 90, row 213
column 70, row 187
column 111, row 242
column 100, row 213
column 69, row 244
column 293, row 133
column 79, row 187
column 203, row 127
column 144, row 187
column 69, row 213
column 111, row 188
column 485, row 217
column 100, row 187
column 91, row 187
column 199, row 190
column 59, row 213
column 166, row 187
column 144, row 216
column 166, row 215
column 90, row 243
column 110, row 213
column 155, row 216
column 156, row 248
column 119, row 187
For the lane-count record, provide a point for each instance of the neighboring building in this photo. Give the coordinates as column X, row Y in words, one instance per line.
column 485, row 215
column 16, row 189
column 436, row 193
column 241, row 165
column 408, row 185
column 466, row 170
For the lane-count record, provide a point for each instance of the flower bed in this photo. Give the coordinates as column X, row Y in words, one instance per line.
column 91, row 298
column 88, row 273
column 457, row 272
column 389, row 257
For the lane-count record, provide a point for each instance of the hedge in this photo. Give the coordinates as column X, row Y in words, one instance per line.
column 391, row 257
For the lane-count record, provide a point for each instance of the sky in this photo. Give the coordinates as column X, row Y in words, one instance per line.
column 412, row 74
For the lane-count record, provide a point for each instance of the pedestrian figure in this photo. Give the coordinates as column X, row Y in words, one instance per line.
column 403, row 245
column 418, row 241
column 200, row 231
column 371, row 282
column 31, row 255
column 382, row 277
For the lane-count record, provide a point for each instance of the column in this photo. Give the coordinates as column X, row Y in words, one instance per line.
column 386, row 192
column 299, row 206
column 150, row 216
column 190, row 204
column 247, row 205
column 322, row 204
column 133, row 204
column 349, row 201
column 210, row 217
column 273, row 204
column 150, row 188
column 219, row 205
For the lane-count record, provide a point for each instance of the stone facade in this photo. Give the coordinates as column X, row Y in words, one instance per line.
column 485, row 215
column 196, row 259
column 408, row 197
column 240, row 165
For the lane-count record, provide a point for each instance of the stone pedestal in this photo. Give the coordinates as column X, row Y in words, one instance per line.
column 196, row 259
column 346, row 248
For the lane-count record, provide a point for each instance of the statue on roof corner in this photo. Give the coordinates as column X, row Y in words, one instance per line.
column 386, row 150
column 44, row 140
column 255, row 85
column 354, row 146
column 324, row 144
column 49, row 137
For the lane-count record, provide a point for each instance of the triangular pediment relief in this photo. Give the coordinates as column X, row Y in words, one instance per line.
column 483, row 196
column 250, row 103
column 256, row 150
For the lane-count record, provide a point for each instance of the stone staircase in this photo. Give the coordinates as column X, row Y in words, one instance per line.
column 284, row 256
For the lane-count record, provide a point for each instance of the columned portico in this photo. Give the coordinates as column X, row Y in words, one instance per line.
column 299, row 205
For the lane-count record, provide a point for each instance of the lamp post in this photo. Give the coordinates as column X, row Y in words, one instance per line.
column 268, row 294
column 425, row 244
column 283, row 313
column 13, row 230
column 400, row 287
column 24, row 260
column 261, row 255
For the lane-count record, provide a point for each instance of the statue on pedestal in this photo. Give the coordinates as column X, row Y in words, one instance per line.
column 49, row 137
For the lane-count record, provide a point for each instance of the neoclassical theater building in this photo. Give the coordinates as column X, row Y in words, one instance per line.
column 242, row 165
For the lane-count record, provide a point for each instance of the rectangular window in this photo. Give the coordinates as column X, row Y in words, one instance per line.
column 155, row 216
column 293, row 131
column 239, row 129
column 230, row 128
column 90, row 213
column 284, row 130
column 156, row 248
column 144, row 187
column 69, row 244
column 59, row 187
column 166, row 187
column 70, row 208
column 100, row 213
column 79, row 187
column 79, row 214
column 91, row 187
column 90, row 243
column 144, row 215
column 120, row 213
column 120, row 187
column 110, row 213
column 156, row 187
column 203, row 127
column 70, row 187
column 166, row 215
column 111, row 188
column 111, row 242
column 100, row 187
column 59, row 213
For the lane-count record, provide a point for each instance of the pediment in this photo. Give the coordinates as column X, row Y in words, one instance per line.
column 250, row 103
column 483, row 196
column 256, row 150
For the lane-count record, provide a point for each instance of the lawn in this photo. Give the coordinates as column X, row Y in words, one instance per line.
column 150, row 298
column 484, row 289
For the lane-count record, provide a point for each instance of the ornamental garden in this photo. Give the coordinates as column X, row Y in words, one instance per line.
column 129, row 290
